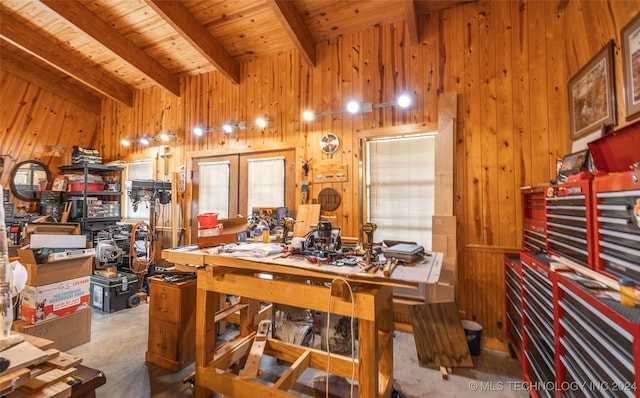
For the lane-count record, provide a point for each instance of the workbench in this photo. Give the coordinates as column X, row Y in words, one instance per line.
column 296, row 282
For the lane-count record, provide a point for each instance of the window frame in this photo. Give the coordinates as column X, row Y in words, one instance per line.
column 425, row 223
column 238, row 179
column 444, row 168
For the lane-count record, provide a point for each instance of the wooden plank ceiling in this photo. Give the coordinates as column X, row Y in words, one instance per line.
column 109, row 48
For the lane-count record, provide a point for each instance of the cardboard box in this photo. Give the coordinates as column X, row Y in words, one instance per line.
column 234, row 230
column 40, row 303
column 66, row 332
column 56, row 271
column 444, row 291
column 54, row 228
column 443, row 236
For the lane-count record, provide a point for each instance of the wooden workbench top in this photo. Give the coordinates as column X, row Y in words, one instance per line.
column 425, row 271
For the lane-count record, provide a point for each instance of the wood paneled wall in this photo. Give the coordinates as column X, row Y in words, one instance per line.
column 33, row 119
column 509, row 62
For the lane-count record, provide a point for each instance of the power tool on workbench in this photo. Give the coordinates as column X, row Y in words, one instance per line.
column 369, row 256
column 287, row 226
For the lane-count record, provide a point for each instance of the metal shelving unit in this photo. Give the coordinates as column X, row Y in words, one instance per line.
column 94, row 217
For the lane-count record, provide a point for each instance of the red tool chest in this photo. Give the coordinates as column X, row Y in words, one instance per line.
column 534, row 223
column 575, row 338
column 616, row 203
column 513, row 303
column 569, row 220
column 597, row 341
column 539, row 348
column 617, row 207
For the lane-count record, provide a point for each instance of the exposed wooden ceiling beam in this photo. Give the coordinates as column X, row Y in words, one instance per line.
column 32, row 73
column 291, row 20
column 83, row 19
column 22, row 36
column 176, row 14
column 412, row 21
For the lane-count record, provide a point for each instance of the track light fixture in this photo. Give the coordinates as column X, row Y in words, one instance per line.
column 261, row 121
column 147, row 139
column 403, row 101
column 228, row 126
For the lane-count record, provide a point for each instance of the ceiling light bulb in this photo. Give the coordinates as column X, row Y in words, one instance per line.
column 404, row 100
column 125, row 141
column 165, row 136
column 228, row 127
column 308, row 115
column 198, row 131
column 353, row 106
column 261, row 121
column 144, row 140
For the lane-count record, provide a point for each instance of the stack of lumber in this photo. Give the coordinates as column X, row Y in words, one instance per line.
column 37, row 370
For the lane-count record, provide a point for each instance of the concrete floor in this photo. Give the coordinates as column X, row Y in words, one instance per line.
column 119, row 341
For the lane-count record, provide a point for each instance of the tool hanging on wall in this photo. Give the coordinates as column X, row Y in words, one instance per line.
column 304, row 184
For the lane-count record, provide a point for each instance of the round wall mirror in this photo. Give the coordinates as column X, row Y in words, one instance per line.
column 28, row 178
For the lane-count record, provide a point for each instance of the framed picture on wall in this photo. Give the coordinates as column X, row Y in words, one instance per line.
column 630, row 35
column 592, row 95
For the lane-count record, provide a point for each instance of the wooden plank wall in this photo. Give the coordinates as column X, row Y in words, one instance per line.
column 33, row 119
column 509, row 62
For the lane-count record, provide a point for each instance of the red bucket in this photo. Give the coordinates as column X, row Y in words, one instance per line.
column 207, row 220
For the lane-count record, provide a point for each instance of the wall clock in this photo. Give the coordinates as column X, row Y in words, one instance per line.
column 329, row 143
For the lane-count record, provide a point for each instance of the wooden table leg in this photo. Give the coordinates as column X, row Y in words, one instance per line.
column 375, row 340
column 207, row 303
column 368, row 358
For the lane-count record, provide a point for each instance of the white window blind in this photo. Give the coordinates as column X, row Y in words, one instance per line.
column 400, row 188
column 266, row 182
column 139, row 170
column 214, row 188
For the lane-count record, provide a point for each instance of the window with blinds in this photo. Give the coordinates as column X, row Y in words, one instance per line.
column 234, row 184
column 213, row 195
column 400, row 187
column 266, row 185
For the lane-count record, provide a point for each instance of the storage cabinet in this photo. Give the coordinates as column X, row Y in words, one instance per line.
column 617, row 231
column 598, row 343
column 95, row 205
column 538, row 322
column 513, row 302
column 534, row 216
column 171, row 343
column 576, row 340
column 569, row 218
